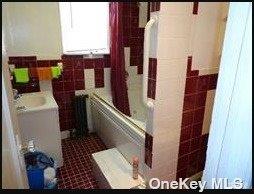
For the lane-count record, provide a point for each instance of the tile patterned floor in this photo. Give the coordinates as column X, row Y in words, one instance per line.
column 76, row 173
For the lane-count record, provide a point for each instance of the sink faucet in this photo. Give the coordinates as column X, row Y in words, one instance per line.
column 16, row 95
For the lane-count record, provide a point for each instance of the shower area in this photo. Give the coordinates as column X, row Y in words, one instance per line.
column 119, row 117
column 133, row 18
column 162, row 94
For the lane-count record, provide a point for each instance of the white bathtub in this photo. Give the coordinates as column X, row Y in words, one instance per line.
column 116, row 129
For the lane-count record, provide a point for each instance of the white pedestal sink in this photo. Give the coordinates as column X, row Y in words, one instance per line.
column 39, row 121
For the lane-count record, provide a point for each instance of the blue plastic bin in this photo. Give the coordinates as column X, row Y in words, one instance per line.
column 35, row 178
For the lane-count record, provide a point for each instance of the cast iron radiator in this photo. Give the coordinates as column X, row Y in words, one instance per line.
column 81, row 128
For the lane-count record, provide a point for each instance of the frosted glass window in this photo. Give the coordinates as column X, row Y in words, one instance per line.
column 85, row 27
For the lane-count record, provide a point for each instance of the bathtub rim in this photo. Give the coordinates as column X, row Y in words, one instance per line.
column 141, row 132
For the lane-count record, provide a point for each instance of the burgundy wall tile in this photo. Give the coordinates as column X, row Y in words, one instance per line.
column 192, row 142
column 189, row 63
column 148, row 158
column 152, row 68
column 54, row 62
column 77, row 63
column 126, row 9
column 79, row 85
column 134, row 22
column 29, row 57
column 189, row 102
column 148, row 142
column 99, row 83
column 148, row 11
column 199, row 115
column 99, row 77
column 196, row 130
column 182, row 162
column 190, row 72
column 200, row 165
column 98, row 63
column 194, row 73
column 13, row 59
column 212, row 81
column 79, row 74
column 204, row 140
column 140, row 68
column 16, row 62
column 43, row 63
column 67, row 64
column 192, row 169
column 154, row 6
column 151, row 88
column 134, row 9
column 158, row 4
column 68, row 74
column 193, row 157
column 57, row 86
column 29, row 63
column 59, row 96
column 191, row 85
column 69, row 96
column 184, row 148
column 181, row 173
column 195, row 8
column 186, row 133
column 187, row 118
column 200, row 99
column 88, row 63
column 107, row 61
column 69, row 86
column 203, row 82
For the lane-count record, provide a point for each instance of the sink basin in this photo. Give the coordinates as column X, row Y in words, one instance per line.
column 35, row 102
column 32, row 101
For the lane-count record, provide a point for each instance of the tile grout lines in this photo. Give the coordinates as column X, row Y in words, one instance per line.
column 77, row 173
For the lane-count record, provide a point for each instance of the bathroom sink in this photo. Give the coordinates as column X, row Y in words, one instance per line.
column 35, row 102
column 32, row 101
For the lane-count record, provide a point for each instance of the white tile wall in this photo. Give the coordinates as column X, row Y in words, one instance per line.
column 89, row 78
column 174, row 26
column 205, row 35
column 176, row 8
column 107, row 83
column 127, row 56
column 171, row 68
column 172, row 52
column 172, row 48
column 168, row 88
column 45, row 85
column 142, row 14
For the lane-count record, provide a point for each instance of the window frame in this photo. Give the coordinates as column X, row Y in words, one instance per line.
column 86, row 52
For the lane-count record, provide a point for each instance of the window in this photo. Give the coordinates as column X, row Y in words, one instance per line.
column 85, row 27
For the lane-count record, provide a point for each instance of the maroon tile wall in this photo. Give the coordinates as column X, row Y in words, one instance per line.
column 195, row 8
column 133, row 35
column 154, row 6
column 148, row 150
column 193, row 144
column 64, row 87
column 152, row 72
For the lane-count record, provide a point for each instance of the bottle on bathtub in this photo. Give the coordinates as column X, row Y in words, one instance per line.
column 135, row 162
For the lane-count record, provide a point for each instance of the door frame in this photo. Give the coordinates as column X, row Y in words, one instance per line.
column 13, row 165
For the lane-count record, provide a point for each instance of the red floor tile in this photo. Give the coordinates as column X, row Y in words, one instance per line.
column 76, row 173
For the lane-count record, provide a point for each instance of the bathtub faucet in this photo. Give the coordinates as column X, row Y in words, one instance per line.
column 16, row 95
